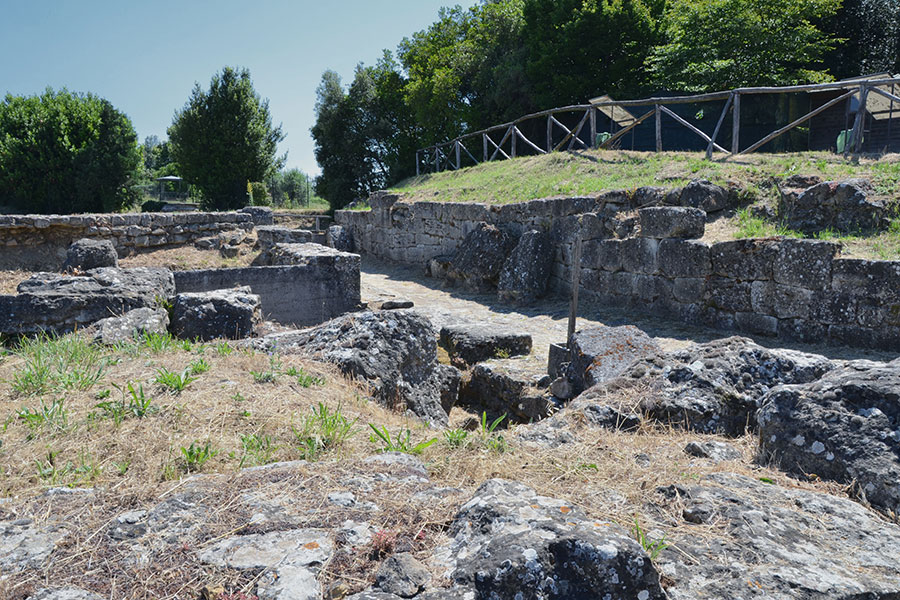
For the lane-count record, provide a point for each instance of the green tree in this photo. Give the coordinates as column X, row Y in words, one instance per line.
column 289, row 187
column 722, row 44
column 66, row 152
column 871, row 29
column 224, row 138
column 580, row 49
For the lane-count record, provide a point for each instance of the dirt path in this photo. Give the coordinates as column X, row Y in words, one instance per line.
column 546, row 320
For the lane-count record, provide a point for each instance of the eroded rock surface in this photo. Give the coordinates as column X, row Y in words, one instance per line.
column 844, row 427
column 526, row 272
column 601, row 353
column 394, row 351
column 471, row 343
column 777, row 543
column 115, row 330
column 86, row 254
column 845, row 206
column 480, row 257
column 507, row 542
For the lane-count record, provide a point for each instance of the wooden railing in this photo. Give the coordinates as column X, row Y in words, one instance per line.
column 449, row 155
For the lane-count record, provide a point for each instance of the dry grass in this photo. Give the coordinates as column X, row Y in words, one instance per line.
column 188, row 257
column 611, row 475
column 9, row 280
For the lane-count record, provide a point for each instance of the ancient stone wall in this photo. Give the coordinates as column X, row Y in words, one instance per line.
column 39, row 242
column 792, row 289
column 312, row 285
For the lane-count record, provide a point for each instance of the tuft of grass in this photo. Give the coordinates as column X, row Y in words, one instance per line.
column 57, row 363
column 399, row 443
column 195, row 456
column 53, row 417
column 258, row 449
column 303, row 378
column 652, row 547
column 175, row 382
column 199, row 366
column 750, row 226
column 323, row 430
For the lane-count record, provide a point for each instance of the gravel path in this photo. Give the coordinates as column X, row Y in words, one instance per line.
column 546, row 320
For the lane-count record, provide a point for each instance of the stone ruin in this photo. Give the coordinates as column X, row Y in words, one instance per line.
column 838, row 419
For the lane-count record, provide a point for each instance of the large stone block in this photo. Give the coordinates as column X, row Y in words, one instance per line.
column 526, row 272
column 729, row 295
column 230, row 314
column 480, row 258
column 672, row 222
column 689, row 290
column 872, row 278
column 86, row 254
column 793, row 302
column 805, row 263
column 683, row 258
column 473, row 343
column 639, row 255
column 746, row 260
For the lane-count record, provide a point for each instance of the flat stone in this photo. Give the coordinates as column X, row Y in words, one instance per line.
column 473, row 343
column 402, row 574
column 230, row 314
column 672, row 222
column 715, row 451
column 601, row 353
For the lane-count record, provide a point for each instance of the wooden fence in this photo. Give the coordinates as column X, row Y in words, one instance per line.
column 582, row 132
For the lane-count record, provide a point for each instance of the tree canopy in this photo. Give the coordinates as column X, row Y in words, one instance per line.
column 502, row 59
column 223, row 138
column 63, row 152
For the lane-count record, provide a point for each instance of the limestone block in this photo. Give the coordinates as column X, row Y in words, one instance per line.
column 684, row 258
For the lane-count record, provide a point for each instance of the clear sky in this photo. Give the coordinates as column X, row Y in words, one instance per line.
column 145, row 56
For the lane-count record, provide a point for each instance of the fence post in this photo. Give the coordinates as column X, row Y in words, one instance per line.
column 437, row 160
column 576, row 284
column 484, row 139
column 458, row 157
column 417, row 162
column 550, row 133
column 513, row 141
column 593, row 142
column 736, row 125
column 658, row 128
column 859, row 127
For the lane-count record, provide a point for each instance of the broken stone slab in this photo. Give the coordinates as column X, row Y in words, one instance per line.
column 394, row 351
column 479, row 260
column 526, row 272
column 86, row 254
column 844, row 206
column 778, row 543
column 55, row 303
column 134, row 323
column 601, row 353
column 476, row 342
column 713, row 450
column 713, row 387
column 230, row 314
column 27, row 545
column 291, row 560
column 662, row 222
column 401, row 574
column 260, row 215
column 701, row 194
column 340, row 238
column 507, row 542
column 505, row 387
column 844, row 427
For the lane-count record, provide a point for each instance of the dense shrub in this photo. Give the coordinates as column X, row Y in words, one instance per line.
column 63, row 152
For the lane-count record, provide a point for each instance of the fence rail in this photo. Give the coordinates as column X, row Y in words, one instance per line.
column 583, row 134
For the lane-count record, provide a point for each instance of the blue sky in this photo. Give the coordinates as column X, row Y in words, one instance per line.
column 144, row 57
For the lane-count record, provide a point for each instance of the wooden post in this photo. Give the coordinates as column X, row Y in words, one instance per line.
column 549, row 133
column 890, row 143
column 712, row 140
column 417, row 162
column 576, row 283
column 859, row 126
column 658, row 128
column 458, row 157
column 593, row 142
column 484, row 138
column 437, row 160
column 513, row 141
column 736, row 125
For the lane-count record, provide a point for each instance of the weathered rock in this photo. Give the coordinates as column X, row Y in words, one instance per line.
column 601, row 353
column 473, row 343
column 509, row 543
column 230, row 314
column 526, row 272
column 340, row 238
column 291, row 559
column 394, row 351
column 702, row 194
column 714, row 387
column 846, row 206
column 403, row 575
column 115, row 330
column 744, row 260
column 505, row 387
column 260, row 215
column 438, row 267
column 24, row 544
column 777, row 543
column 844, row 427
column 715, row 451
column 672, row 222
column 64, row 593
column 86, row 254
column 479, row 260
column 62, row 303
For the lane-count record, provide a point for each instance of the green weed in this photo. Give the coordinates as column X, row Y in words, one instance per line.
column 199, row 366
column 57, row 363
column 400, row 443
column 195, row 456
column 303, row 378
column 270, row 375
column 53, row 416
column 651, row 547
column 175, row 382
column 323, row 430
column 456, row 438
column 258, row 449
column 223, row 349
